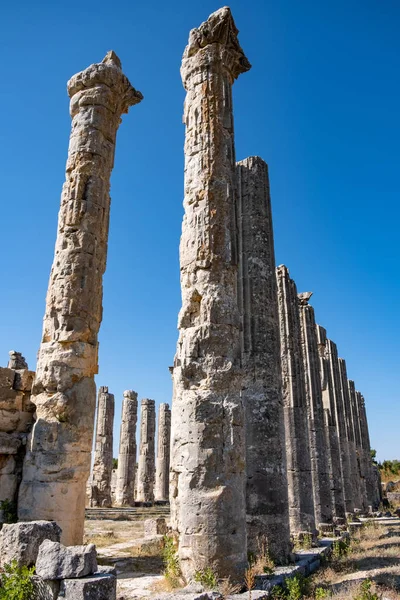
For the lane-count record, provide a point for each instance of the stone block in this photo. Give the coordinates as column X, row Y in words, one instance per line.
column 23, row 380
column 45, row 590
column 9, row 444
column 102, row 586
column 56, row 561
column 154, row 527
column 21, row 541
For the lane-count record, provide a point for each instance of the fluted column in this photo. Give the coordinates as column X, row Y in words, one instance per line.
column 125, row 489
column 163, row 453
column 360, row 500
column 208, row 445
column 297, row 434
column 314, row 381
column 373, row 494
column 146, row 464
column 100, row 490
column 57, row 462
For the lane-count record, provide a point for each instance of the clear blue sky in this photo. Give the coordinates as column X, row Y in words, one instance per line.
column 320, row 105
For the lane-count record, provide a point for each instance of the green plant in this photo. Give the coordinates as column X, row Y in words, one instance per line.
column 278, row 593
column 16, row 582
column 365, row 592
column 340, row 549
column 115, row 463
column 303, row 542
column 9, row 509
column 296, row 587
column 172, row 569
column 321, row 593
column 207, row 578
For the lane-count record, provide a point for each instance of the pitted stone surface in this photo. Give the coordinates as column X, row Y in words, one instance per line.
column 101, row 586
column 56, row 561
column 125, row 488
column 297, row 435
column 57, row 463
column 163, row 453
column 208, row 446
column 16, row 361
column 100, row 489
column 266, row 487
column 21, row 541
column 146, row 463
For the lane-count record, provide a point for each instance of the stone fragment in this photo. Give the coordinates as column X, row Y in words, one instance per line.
column 103, row 453
column 163, row 453
column 154, row 527
column 56, row 561
column 124, row 493
column 16, row 361
column 101, row 586
column 297, row 435
column 21, row 541
column 44, row 589
column 57, row 463
column 146, row 463
column 208, row 476
column 321, row 488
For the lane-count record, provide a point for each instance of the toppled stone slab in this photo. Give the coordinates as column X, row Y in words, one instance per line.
column 102, row 586
column 21, row 541
column 154, row 527
column 56, row 561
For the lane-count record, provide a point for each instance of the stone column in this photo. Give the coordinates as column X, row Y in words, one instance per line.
column 370, row 477
column 331, row 435
column 125, row 489
column 339, row 410
column 146, row 463
column 364, row 462
column 297, row 434
column 57, row 464
column 355, row 478
column 100, row 489
column 208, row 447
column 321, row 488
column 355, row 435
column 163, row 453
column 266, row 490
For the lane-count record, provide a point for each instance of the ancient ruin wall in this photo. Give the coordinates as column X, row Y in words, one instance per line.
column 57, row 463
column 208, row 446
column 100, row 492
column 163, row 453
column 125, row 487
column 146, row 463
column 297, row 434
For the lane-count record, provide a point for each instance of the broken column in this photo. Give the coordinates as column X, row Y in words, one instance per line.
column 208, row 444
column 16, row 361
column 331, row 435
column 348, row 415
column 338, row 402
column 57, row 464
column 297, row 435
column 125, row 488
column 146, row 463
column 161, row 493
column 321, row 488
column 100, row 489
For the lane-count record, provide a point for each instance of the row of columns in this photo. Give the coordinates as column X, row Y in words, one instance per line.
column 150, row 476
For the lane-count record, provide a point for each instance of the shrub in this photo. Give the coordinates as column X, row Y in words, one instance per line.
column 365, row 592
column 16, row 582
column 296, row 587
column 207, row 578
column 172, row 571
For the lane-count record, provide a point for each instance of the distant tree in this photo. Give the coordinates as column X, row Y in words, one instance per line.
column 115, row 463
column 373, row 456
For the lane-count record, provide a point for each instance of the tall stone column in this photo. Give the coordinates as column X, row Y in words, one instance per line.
column 125, row 489
column 339, row 410
column 208, row 446
column 297, row 434
column 364, row 463
column 146, row 463
column 355, row 475
column 57, row 463
column 163, row 453
column 370, row 477
column 331, row 434
column 321, row 488
column 100, row 489
column 355, row 434
column 266, row 489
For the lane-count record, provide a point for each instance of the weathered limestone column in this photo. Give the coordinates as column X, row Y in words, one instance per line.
column 355, row 476
column 373, row 496
column 355, row 435
column 100, row 491
column 146, row 463
column 339, row 410
column 266, row 490
column 364, row 462
column 331, row 435
column 321, row 488
column 297, row 435
column 163, row 453
column 57, row 463
column 125, row 489
column 208, row 447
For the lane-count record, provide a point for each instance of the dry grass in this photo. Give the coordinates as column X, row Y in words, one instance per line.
column 102, row 540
